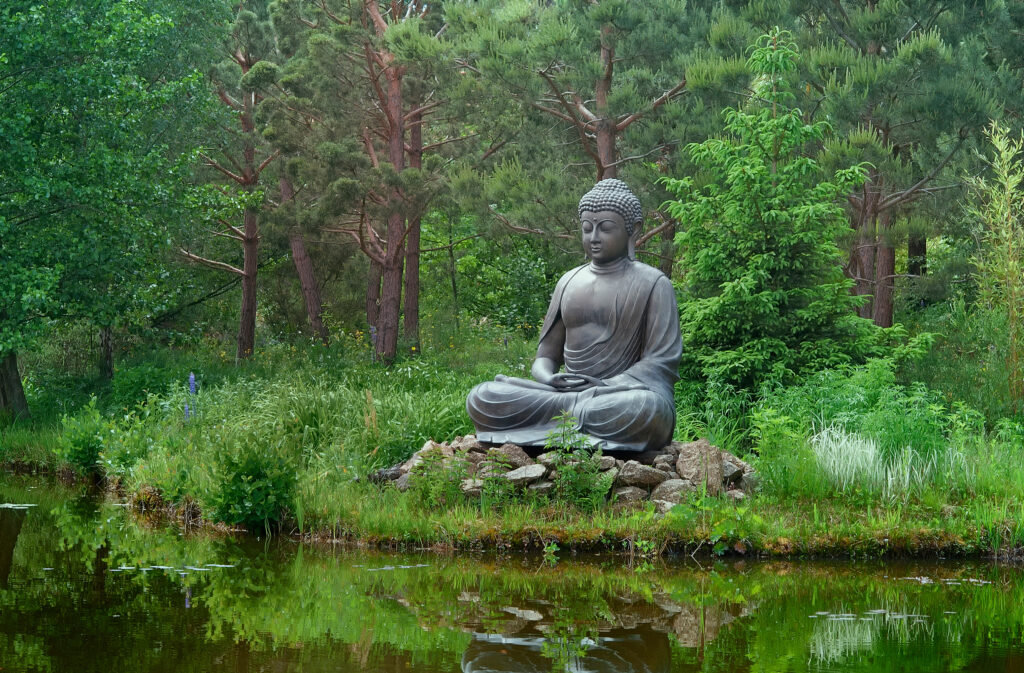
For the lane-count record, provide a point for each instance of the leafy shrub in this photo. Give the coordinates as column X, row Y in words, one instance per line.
column 133, row 384
column 254, row 482
column 578, row 480
column 765, row 297
column 82, row 437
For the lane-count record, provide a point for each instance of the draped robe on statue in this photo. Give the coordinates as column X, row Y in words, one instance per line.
column 640, row 347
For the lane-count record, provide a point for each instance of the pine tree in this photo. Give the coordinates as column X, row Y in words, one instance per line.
column 242, row 158
column 765, row 298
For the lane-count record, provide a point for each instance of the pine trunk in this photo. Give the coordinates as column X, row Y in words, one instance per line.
column 391, row 276
column 247, row 320
column 390, row 306
column 310, row 289
column 12, row 394
column 885, row 274
column 304, row 270
column 864, row 268
column 411, row 312
column 373, row 295
column 606, row 132
column 106, row 353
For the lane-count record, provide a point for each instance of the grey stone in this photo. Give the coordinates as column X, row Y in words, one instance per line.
column 635, row 474
column 475, row 457
column 605, row 463
column 512, row 454
column 471, row 488
column 673, row 490
column 402, row 483
column 548, row 459
column 701, row 463
column 386, row 474
column 541, row 487
column 750, row 483
column 664, row 459
column 627, row 494
column 663, row 506
column 664, row 467
column 430, row 446
column 468, row 443
column 740, row 464
column 736, row 494
column 731, row 474
column 526, row 474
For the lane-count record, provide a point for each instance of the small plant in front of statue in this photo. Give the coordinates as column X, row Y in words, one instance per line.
column 578, row 479
column 496, row 490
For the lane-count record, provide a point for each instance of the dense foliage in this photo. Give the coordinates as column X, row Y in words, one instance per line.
column 764, row 297
column 397, row 181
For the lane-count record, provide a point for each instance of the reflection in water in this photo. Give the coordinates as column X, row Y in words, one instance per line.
column 642, row 650
column 10, row 527
column 85, row 587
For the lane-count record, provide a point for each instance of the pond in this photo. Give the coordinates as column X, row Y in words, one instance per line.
column 86, row 585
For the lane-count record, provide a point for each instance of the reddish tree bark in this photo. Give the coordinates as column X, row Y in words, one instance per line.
column 250, row 255
column 304, row 270
column 885, row 274
column 373, row 294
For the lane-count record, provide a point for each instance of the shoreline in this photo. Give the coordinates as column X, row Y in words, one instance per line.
column 804, row 531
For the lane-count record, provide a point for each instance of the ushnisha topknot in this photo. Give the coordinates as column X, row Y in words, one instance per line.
column 613, row 195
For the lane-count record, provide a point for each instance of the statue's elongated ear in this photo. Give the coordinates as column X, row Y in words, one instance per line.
column 631, row 251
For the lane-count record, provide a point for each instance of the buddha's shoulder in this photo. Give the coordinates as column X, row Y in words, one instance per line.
column 647, row 272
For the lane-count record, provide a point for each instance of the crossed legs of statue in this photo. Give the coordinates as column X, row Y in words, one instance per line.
column 523, row 412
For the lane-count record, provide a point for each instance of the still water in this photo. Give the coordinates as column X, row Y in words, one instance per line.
column 87, row 586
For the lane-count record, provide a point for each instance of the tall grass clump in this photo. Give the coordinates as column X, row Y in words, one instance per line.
column 857, row 430
column 287, row 438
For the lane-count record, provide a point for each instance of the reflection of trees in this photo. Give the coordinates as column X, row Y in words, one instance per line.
column 282, row 607
column 10, row 528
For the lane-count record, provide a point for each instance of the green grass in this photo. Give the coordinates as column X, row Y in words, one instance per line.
column 851, row 462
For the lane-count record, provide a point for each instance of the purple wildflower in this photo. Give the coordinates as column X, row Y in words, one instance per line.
column 192, row 383
column 186, row 411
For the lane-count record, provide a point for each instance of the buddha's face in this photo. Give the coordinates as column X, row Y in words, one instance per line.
column 605, row 238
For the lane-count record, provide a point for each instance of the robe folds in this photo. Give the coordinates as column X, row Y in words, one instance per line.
column 639, row 347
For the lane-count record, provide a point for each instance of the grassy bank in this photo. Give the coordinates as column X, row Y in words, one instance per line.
column 851, row 462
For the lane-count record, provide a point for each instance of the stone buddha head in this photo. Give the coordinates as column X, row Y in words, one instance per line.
column 609, row 214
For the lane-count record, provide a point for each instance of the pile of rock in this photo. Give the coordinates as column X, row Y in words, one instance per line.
column 665, row 476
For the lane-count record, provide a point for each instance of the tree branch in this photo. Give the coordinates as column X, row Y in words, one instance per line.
column 212, row 263
column 524, row 230
column 213, row 163
column 266, row 162
column 911, row 192
column 655, row 104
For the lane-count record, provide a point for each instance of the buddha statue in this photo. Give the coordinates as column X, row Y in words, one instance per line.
column 613, row 324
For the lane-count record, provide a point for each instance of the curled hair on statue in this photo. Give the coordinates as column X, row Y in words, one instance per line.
column 613, row 195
